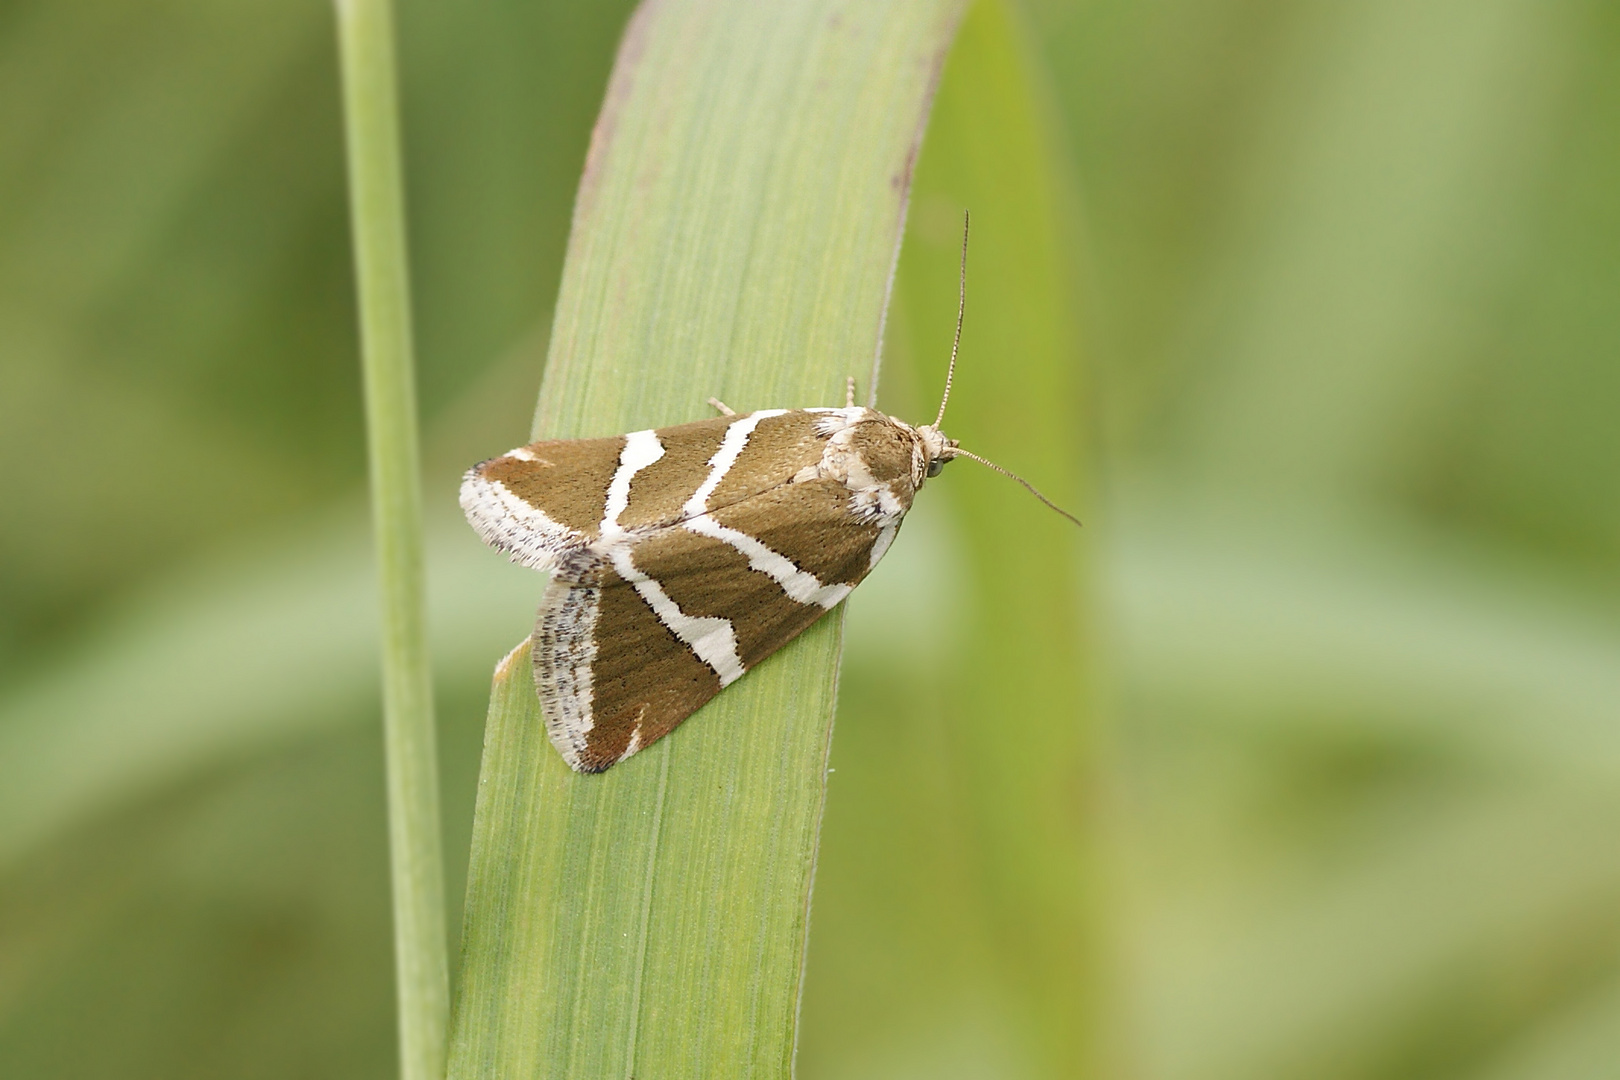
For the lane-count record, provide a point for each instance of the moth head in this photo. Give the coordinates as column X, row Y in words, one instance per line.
column 937, row 449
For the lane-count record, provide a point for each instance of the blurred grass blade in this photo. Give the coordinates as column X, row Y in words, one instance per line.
column 734, row 235
column 371, row 123
column 1016, row 704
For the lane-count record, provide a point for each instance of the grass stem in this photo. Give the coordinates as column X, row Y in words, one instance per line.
column 371, row 123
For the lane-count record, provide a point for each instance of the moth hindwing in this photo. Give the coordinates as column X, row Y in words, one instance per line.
column 682, row 557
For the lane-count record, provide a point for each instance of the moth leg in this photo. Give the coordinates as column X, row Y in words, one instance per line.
column 721, row 407
column 849, row 393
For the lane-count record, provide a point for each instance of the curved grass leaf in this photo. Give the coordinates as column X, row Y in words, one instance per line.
column 734, row 235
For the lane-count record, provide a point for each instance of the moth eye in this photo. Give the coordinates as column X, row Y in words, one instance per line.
column 936, row 466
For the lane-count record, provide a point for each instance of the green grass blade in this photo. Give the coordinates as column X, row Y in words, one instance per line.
column 734, row 235
column 371, row 122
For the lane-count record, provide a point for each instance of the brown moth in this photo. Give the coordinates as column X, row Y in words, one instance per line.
column 681, row 557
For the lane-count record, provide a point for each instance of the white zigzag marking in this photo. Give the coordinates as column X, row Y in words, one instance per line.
column 731, row 447
column 710, row 638
column 801, row 585
column 641, row 449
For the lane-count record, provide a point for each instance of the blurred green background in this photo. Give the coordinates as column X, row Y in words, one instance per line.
column 1347, row 279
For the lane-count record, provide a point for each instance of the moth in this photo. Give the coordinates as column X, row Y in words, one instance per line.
column 681, row 557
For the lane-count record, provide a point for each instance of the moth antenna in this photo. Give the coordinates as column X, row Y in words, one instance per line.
column 961, row 306
column 957, row 451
